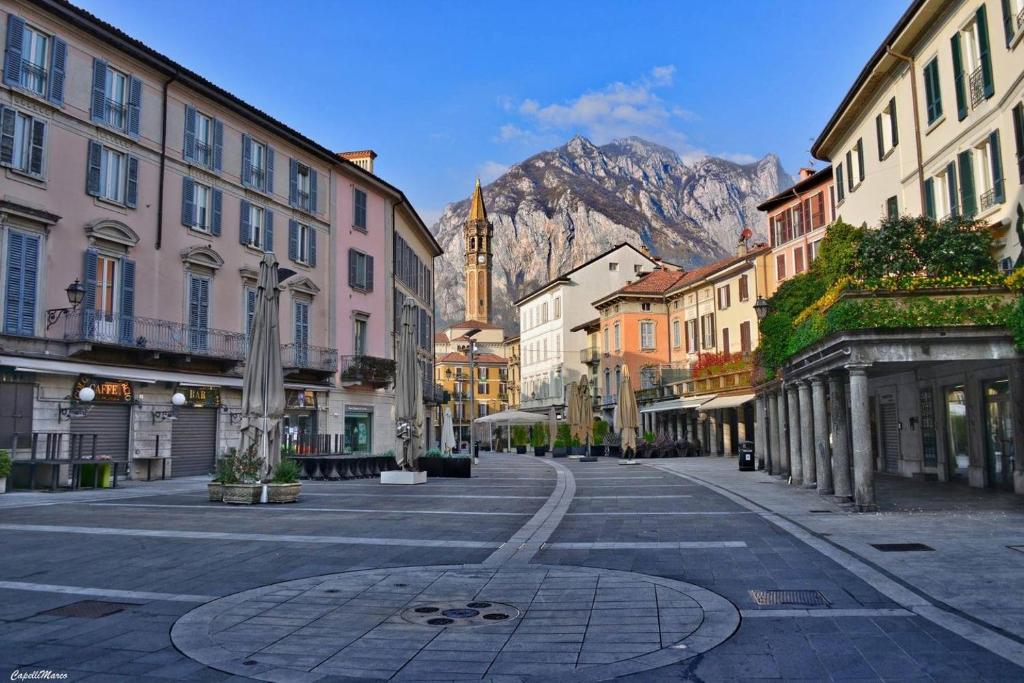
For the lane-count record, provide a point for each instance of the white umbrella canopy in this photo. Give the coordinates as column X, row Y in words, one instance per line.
column 627, row 415
column 447, row 432
column 263, row 383
column 514, row 417
column 409, row 418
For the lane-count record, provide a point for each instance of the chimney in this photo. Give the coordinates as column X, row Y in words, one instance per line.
column 362, row 158
column 741, row 246
column 806, row 173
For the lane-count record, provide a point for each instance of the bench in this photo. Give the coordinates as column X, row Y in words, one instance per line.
column 48, row 452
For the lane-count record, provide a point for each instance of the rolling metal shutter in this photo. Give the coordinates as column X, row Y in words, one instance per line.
column 890, row 434
column 193, row 442
column 111, row 424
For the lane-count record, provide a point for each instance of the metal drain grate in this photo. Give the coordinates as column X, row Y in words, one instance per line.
column 901, row 547
column 89, row 609
column 789, row 598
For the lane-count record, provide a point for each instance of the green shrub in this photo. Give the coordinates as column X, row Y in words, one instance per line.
column 433, row 453
column 600, row 430
column 649, row 437
column 226, row 468
column 837, row 253
column 539, row 435
column 286, row 472
column 563, row 436
column 519, row 435
column 5, row 463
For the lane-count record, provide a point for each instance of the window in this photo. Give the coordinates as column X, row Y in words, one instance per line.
column 360, row 271
column 989, row 172
column 198, row 311
column 707, row 331
column 812, row 250
column 359, row 209
column 544, row 312
column 724, row 297
column 972, row 63
column 691, row 336
column 607, row 382
column 34, row 60
column 618, row 338
column 942, row 196
column 302, row 188
column 112, row 175
column 606, row 346
column 725, row 339
column 798, row 260
column 202, row 217
column 797, row 220
column 1018, row 137
column 21, row 282
column 301, row 243
column 892, row 207
column 22, row 141
column 256, row 230
column 481, row 388
column 204, row 139
column 855, row 160
column 886, row 129
column 116, row 98
column 676, row 334
column 647, row 335
column 558, row 307
column 613, row 266
column 638, row 268
column 832, row 198
column 745, row 344
column 780, row 267
column 932, row 91
column 645, row 307
column 200, row 206
column 744, row 287
column 257, row 165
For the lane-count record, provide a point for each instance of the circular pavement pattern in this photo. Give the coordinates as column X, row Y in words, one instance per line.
column 563, row 623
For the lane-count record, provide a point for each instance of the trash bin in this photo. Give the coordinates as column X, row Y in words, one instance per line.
column 746, row 453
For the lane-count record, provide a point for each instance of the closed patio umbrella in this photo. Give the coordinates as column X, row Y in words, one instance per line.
column 572, row 409
column 408, row 393
column 263, row 382
column 586, row 422
column 447, row 432
column 552, row 429
column 627, row 415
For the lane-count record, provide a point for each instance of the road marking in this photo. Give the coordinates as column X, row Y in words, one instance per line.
column 650, row 545
column 292, row 508
column 226, row 536
column 104, row 592
column 776, row 613
column 681, row 495
column 392, row 496
column 694, row 513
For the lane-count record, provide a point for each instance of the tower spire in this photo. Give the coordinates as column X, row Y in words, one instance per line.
column 477, row 210
column 479, row 232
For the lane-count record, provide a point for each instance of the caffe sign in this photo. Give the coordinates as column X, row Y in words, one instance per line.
column 107, row 390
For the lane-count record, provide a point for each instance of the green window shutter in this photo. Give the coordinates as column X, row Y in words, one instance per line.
column 929, row 198
column 849, row 171
column 954, row 193
column 986, row 52
column 968, row 202
column 839, row 182
column 1018, row 136
column 881, row 140
column 998, row 186
column 933, row 93
column 894, row 122
column 1009, row 22
column 860, row 157
column 892, row 207
column 958, row 78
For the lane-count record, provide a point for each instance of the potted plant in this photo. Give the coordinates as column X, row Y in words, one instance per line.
column 563, row 441
column 432, row 462
column 612, row 444
column 284, row 486
column 600, row 432
column 5, row 469
column 539, row 439
column 457, row 465
column 519, row 438
column 245, row 488
column 225, row 475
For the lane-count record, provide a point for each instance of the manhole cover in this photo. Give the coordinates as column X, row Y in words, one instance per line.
column 475, row 613
column 774, row 598
column 901, row 547
column 89, row 609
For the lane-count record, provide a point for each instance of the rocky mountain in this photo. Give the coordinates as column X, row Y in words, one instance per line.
column 563, row 206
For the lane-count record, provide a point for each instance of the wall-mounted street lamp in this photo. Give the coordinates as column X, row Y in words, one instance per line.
column 761, row 308
column 76, row 294
column 78, row 407
column 177, row 400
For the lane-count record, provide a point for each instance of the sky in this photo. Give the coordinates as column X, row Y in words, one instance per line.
column 446, row 91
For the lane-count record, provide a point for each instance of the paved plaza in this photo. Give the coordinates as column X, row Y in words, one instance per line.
column 533, row 569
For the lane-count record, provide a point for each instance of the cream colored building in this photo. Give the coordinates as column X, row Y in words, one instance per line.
column 934, row 124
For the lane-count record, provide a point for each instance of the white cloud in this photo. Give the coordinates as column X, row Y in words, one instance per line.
column 490, row 170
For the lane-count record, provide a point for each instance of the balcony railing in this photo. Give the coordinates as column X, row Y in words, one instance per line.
column 33, row 76
column 608, row 399
column 367, row 370
column 257, row 176
column 152, row 334
column 991, row 197
column 976, row 83
column 204, row 154
column 114, row 113
column 718, row 381
column 589, row 355
column 302, row 200
column 306, row 357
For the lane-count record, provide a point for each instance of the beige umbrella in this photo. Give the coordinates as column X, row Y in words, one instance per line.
column 627, row 415
column 552, row 429
column 408, row 392
column 586, row 426
column 572, row 409
column 447, row 432
column 263, row 382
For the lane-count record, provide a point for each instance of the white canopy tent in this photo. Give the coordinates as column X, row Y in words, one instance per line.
column 509, row 418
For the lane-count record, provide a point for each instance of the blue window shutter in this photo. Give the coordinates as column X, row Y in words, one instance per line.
column 244, row 229
column 246, row 160
column 189, row 147
column 301, row 323
column 30, row 285
column 188, row 199
column 268, row 230
column 7, row 117
column 250, row 308
column 998, row 187
column 134, row 105
column 929, row 198
column 127, row 317
column 312, row 246
column 35, row 162
column 15, row 281
column 92, row 176
column 293, row 240
column 352, row 269
column 89, row 280
column 217, row 200
column 98, row 110
column 58, row 61
column 312, row 191
column 193, row 302
column 13, row 49
column 959, row 79
column 986, row 52
column 269, row 189
column 218, row 145
column 131, row 197
column 369, row 273
column 293, row 182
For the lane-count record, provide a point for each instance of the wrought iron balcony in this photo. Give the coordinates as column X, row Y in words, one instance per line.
column 306, row 357
column 608, row 399
column 976, row 82
column 114, row 113
column 991, row 197
column 151, row 334
column 368, row 370
column 257, row 176
column 589, row 355
column 204, row 154
column 302, row 200
column 33, row 76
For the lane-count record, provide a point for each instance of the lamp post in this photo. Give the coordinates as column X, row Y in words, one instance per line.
column 472, row 391
column 761, row 308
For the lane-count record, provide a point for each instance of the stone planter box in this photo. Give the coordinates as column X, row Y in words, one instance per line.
column 559, row 452
column 521, row 450
column 242, row 494
column 434, row 467
column 283, row 493
column 460, row 468
column 216, row 490
column 540, row 451
column 597, row 451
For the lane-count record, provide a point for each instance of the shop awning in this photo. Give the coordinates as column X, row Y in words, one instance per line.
column 677, row 404
column 731, row 401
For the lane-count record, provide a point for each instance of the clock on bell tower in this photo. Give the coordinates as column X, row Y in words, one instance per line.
column 479, row 233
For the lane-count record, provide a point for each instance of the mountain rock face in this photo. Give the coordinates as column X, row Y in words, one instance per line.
column 564, row 206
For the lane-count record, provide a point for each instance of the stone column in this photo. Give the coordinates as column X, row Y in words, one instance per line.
column 726, row 422
column 774, row 456
column 741, row 425
column 793, row 428
column 822, row 454
column 783, row 403
column 713, row 448
column 840, row 421
column 810, row 470
column 860, row 426
column 760, row 440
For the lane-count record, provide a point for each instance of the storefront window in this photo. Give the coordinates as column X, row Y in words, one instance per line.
column 956, row 419
column 999, row 447
column 358, row 431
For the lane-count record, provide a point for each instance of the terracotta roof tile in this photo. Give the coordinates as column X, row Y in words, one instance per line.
column 440, row 337
column 470, row 324
column 456, row 357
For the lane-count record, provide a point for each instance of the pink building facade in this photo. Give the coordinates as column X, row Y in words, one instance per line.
column 158, row 193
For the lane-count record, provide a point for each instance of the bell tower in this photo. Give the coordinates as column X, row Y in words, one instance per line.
column 479, row 232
